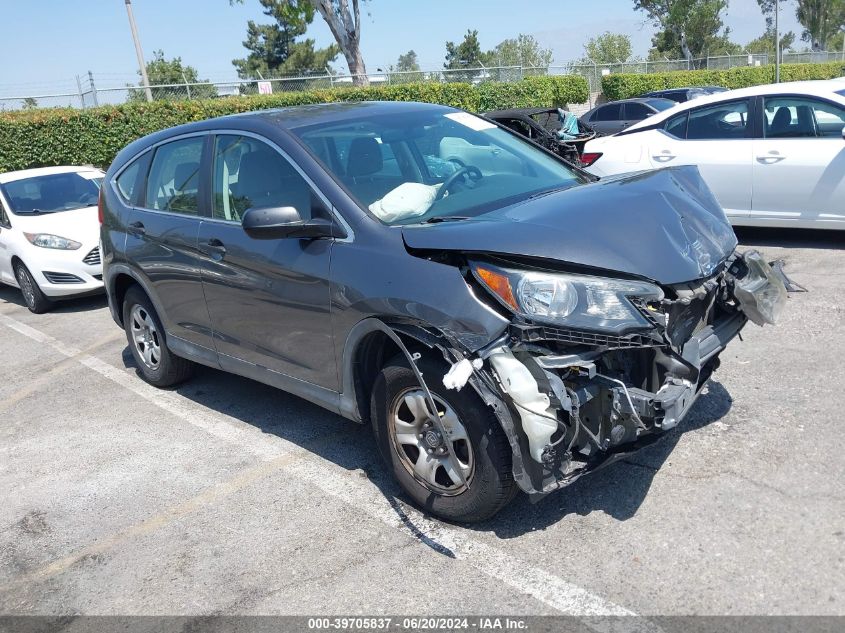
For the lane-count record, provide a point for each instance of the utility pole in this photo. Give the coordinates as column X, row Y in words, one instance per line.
column 142, row 66
column 777, row 43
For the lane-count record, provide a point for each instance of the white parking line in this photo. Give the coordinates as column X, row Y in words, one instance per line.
column 551, row 590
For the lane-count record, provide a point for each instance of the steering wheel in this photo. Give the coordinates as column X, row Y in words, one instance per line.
column 471, row 171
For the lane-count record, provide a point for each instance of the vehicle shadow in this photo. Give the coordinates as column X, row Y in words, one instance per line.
column 618, row 490
column 789, row 238
column 65, row 306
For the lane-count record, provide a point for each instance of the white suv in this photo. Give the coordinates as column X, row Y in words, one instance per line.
column 49, row 233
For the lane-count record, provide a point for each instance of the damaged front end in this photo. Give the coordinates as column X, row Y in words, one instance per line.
column 593, row 368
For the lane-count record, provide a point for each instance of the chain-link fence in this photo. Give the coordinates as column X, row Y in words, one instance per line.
column 90, row 89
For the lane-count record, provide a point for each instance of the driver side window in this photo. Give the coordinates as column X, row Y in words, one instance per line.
column 250, row 174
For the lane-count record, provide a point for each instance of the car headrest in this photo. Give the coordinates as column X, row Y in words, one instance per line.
column 364, row 157
column 781, row 120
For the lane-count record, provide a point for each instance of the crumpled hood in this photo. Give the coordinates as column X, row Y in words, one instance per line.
column 80, row 225
column 662, row 225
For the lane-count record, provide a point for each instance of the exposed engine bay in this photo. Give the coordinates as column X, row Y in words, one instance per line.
column 578, row 399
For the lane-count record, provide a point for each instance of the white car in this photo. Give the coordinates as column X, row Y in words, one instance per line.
column 50, row 233
column 773, row 155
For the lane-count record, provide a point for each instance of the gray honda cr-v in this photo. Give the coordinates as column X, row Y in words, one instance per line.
column 502, row 321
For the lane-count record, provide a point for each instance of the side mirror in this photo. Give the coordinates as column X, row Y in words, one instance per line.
column 843, row 132
column 272, row 223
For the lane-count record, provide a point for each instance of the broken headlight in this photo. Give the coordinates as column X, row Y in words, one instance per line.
column 576, row 301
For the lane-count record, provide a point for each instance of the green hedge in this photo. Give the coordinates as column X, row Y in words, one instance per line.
column 548, row 91
column 93, row 136
column 625, row 85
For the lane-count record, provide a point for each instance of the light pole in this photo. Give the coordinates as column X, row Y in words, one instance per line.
column 142, row 66
column 777, row 43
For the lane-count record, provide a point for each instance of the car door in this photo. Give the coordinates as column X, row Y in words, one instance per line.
column 269, row 300
column 607, row 118
column 799, row 165
column 718, row 138
column 162, row 240
column 634, row 112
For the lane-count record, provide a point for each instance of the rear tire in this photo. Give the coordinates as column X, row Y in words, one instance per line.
column 484, row 454
column 148, row 342
column 35, row 300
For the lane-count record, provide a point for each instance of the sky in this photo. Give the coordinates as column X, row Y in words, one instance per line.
column 54, row 40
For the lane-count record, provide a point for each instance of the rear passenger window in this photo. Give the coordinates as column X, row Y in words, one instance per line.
column 128, row 180
column 721, row 121
column 611, row 112
column 677, row 126
column 173, row 184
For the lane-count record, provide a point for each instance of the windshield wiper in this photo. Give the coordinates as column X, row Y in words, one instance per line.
column 32, row 212
column 547, row 192
column 446, row 218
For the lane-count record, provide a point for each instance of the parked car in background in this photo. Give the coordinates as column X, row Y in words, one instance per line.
column 773, row 155
column 542, row 125
column 505, row 325
column 49, row 234
column 615, row 116
column 682, row 95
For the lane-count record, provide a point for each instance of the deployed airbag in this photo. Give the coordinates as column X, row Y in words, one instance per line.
column 408, row 200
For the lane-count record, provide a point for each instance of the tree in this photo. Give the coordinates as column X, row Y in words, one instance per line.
column 765, row 44
column 523, row 50
column 345, row 25
column 274, row 49
column 407, row 62
column 821, row 19
column 466, row 55
column 687, row 28
column 167, row 72
column 608, row 48
column 29, row 103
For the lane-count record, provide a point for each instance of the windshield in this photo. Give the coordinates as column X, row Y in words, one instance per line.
column 433, row 166
column 52, row 193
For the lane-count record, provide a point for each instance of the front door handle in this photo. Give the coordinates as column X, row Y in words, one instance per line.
column 771, row 158
column 136, row 228
column 215, row 248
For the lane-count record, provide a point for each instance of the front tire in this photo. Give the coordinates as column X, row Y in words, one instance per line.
column 35, row 299
column 148, row 342
column 412, row 448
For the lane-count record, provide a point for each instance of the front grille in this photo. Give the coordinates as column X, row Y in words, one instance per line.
column 93, row 258
column 62, row 278
column 578, row 337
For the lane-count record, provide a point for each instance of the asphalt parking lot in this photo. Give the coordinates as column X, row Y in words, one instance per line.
column 225, row 496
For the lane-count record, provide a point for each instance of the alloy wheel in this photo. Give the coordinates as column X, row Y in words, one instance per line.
column 25, row 284
column 420, row 447
column 145, row 336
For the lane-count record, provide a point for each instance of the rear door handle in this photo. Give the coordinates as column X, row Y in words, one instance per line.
column 771, row 158
column 215, row 248
column 136, row 228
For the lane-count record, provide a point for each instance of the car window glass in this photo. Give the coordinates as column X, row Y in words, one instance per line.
column 791, row 117
column 4, row 219
column 52, row 193
column 610, row 112
column 636, row 111
column 677, row 125
column 173, row 184
column 248, row 174
column 721, row 121
column 482, row 166
column 128, row 179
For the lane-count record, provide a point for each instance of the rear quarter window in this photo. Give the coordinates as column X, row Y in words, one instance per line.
column 128, row 183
